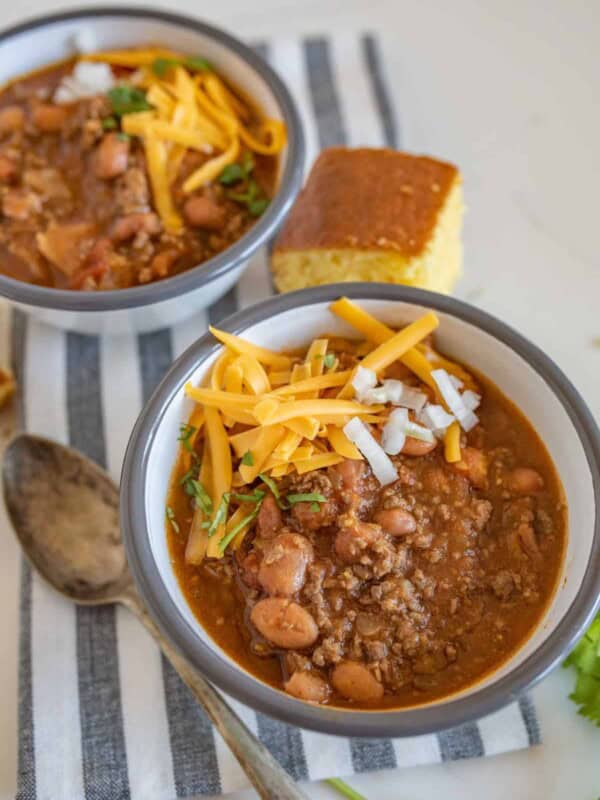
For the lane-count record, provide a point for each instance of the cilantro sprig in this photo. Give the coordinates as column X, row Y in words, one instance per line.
column 314, row 498
column 128, row 100
column 170, row 514
column 185, row 434
column 253, row 197
column 585, row 659
column 161, row 66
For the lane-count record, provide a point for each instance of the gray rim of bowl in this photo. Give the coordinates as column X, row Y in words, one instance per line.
column 229, row 259
column 239, row 683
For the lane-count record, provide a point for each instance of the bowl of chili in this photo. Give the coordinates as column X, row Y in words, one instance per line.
column 417, row 601
column 145, row 156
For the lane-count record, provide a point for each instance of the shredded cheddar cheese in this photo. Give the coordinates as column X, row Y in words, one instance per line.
column 263, row 415
column 191, row 109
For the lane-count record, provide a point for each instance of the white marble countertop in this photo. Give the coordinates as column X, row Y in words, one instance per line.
column 507, row 90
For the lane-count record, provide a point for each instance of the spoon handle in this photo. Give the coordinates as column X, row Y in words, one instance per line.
column 268, row 778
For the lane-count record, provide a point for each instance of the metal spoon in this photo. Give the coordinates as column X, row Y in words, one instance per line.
column 65, row 512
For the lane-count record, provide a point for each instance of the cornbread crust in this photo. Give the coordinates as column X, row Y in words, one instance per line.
column 369, row 199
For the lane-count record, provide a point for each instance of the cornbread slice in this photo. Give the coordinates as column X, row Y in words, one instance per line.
column 373, row 215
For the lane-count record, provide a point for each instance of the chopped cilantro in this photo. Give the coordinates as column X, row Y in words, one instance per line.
column 329, row 360
column 196, row 490
column 171, row 517
column 274, row 490
column 186, row 477
column 248, row 459
column 314, row 498
column 237, row 172
column 161, row 66
column 220, row 514
column 239, row 527
column 128, row 100
column 109, row 123
column 232, row 174
column 255, row 497
column 185, row 434
column 585, row 658
column 251, row 198
column 123, row 137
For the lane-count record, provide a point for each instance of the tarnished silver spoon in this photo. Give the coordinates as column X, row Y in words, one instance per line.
column 65, row 512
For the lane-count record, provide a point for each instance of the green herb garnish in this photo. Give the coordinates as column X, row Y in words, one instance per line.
column 239, row 527
column 186, row 477
column 220, row 515
column 161, row 66
column 248, row 459
column 343, row 788
column 237, row 172
column 274, row 490
column 255, row 497
column 196, row 490
column 185, row 434
column 232, row 174
column 329, row 360
column 314, row 498
column 585, row 658
column 123, row 137
column 171, row 517
column 251, row 198
column 128, row 100
column 109, row 123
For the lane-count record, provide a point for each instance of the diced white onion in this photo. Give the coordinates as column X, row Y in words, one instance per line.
column 363, row 380
column 401, row 395
column 393, row 439
column 361, row 436
column 472, row 400
column 456, row 382
column 419, row 432
column 393, row 435
column 398, row 427
column 436, row 417
column 375, row 397
column 453, row 400
column 394, row 392
column 87, row 79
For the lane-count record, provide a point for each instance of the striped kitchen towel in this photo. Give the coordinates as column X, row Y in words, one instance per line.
column 101, row 715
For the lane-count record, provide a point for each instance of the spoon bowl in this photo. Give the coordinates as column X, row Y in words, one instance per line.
column 65, row 514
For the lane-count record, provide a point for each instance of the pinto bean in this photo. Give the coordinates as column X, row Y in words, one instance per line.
column 474, row 466
column 202, row 212
column 350, row 472
column 354, row 538
column 269, row 520
column 396, row 521
column 284, row 623
column 12, row 118
column 112, row 156
column 49, row 118
column 283, row 568
column 306, row 686
column 355, row 682
column 525, row 480
column 416, row 447
column 130, row 225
